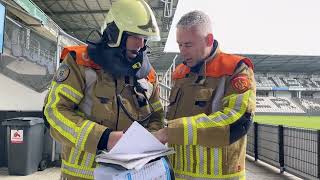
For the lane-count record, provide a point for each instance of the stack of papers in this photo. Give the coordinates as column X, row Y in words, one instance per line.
column 158, row 170
column 135, row 149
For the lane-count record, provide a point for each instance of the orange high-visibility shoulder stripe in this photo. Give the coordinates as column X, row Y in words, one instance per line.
column 222, row 64
column 152, row 76
column 180, row 71
column 225, row 64
column 82, row 57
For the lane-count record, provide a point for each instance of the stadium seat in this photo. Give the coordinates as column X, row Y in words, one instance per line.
column 277, row 105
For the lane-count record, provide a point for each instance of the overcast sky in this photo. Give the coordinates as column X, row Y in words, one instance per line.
column 275, row 27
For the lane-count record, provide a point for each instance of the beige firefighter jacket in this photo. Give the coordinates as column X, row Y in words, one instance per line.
column 82, row 103
column 204, row 110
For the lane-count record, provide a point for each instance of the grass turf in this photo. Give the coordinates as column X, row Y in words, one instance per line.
column 309, row 122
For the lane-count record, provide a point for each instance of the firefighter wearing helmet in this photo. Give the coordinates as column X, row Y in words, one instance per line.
column 101, row 88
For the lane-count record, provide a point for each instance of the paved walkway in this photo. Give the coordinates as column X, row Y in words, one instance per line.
column 255, row 171
column 262, row 171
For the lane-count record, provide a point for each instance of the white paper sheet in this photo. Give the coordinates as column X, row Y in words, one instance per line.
column 131, row 162
column 137, row 140
column 130, row 157
column 156, row 170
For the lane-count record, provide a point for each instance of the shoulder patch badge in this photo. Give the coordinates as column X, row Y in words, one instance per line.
column 241, row 83
column 62, row 73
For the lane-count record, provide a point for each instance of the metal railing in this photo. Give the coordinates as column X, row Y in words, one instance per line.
column 166, row 83
column 168, row 8
column 293, row 150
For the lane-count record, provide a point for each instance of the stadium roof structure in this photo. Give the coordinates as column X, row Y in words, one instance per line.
column 266, row 63
column 79, row 17
column 281, row 63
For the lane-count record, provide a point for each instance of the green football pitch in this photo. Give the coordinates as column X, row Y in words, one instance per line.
column 309, row 122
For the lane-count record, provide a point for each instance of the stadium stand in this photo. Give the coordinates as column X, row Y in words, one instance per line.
column 308, row 83
column 278, row 82
column 290, row 81
column 264, row 82
column 277, row 105
column 310, row 105
column 316, row 81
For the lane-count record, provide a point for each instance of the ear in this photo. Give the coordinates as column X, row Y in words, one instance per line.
column 210, row 39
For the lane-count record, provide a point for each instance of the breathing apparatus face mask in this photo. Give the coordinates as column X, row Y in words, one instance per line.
column 114, row 59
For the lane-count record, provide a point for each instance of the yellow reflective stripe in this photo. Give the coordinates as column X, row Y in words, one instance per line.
column 84, row 133
column 220, row 161
column 157, row 106
column 216, row 161
column 76, row 156
column 242, row 177
column 246, row 99
column 57, row 120
column 85, row 158
column 74, row 94
column 70, row 93
column 235, row 106
column 212, row 161
column 171, row 157
column 191, row 158
column 239, row 104
column 199, row 160
column 185, row 130
column 182, row 166
column 71, row 155
column 224, row 119
column 205, row 160
column 93, row 156
column 66, row 127
column 191, row 129
column 178, row 156
column 194, row 131
column 88, row 159
column 76, row 170
column 187, row 175
column 236, row 109
column 232, row 101
column 187, row 158
column 200, row 157
column 185, row 163
column 80, row 113
column 81, row 140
